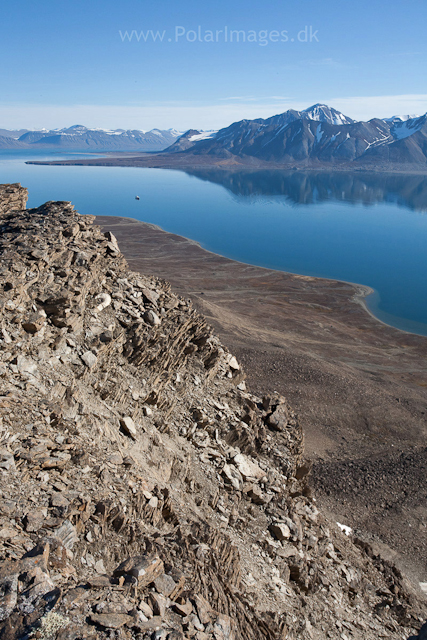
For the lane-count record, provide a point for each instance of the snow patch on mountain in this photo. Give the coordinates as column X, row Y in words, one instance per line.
column 203, row 135
column 406, row 128
column 323, row 113
column 394, row 119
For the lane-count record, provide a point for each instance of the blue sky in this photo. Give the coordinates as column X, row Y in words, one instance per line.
column 69, row 62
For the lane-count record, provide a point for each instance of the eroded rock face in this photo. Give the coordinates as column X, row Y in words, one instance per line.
column 144, row 493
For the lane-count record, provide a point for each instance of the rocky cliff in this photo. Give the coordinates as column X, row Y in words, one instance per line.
column 145, row 492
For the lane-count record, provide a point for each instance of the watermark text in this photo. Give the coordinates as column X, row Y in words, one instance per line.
column 261, row 37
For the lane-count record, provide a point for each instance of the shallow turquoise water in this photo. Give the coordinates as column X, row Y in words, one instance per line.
column 361, row 228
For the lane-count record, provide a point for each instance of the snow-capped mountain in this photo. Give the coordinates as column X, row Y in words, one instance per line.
column 323, row 113
column 317, row 135
column 405, row 128
column 189, row 139
column 81, row 138
column 314, row 136
column 12, row 133
column 394, row 119
column 407, row 144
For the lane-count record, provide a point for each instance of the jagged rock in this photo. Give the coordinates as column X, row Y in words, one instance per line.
column 280, row 530
column 148, row 625
column 104, row 300
column 112, row 240
column 152, row 318
column 34, row 520
column 247, row 468
column 7, row 460
column 26, row 365
column 197, row 496
column 129, row 427
column 89, row 359
column 158, row 604
column 150, row 296
column 254, row 492
column 8, row 593
column 223, row 628
column 183, row 608
column 233, row 476
column 233, row 364
column 144, row 568
column 66, row 534
column 279, row 419
column 145, row 609
column 165, row 584
column 34, row 323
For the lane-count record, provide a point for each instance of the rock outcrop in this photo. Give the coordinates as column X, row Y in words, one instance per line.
column 145, row 493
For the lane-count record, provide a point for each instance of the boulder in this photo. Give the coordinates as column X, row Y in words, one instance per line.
column 129, row 427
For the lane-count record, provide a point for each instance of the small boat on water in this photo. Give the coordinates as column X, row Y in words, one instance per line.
column 136, row 197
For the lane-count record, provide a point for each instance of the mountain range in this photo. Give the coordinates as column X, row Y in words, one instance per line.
column 318, row 135
column 81, row 138
column 315, row 137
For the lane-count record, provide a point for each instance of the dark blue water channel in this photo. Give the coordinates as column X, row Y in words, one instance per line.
column 364, row 228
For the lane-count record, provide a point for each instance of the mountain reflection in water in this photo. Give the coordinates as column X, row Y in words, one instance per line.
column 310, row 187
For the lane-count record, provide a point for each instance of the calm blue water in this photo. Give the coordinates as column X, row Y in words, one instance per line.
column 360, row 228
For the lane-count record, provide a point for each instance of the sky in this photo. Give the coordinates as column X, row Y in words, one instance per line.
column 190, row 64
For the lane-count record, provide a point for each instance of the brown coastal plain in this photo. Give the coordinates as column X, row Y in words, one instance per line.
column 359, row 386
column 184, row 161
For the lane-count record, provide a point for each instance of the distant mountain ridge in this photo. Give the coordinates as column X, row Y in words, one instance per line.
column 79, row 137
column 318, row 135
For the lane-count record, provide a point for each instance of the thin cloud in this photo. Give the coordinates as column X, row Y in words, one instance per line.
column 330, row 63
column 249, row 98
column 185, row 115
column 254, row 98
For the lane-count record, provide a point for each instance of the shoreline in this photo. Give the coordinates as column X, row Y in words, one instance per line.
column 358, row 385
column 179, row 161
column 361, row 291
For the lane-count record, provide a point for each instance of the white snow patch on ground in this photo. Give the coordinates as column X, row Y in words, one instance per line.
column 345, row 529
column 423, row 586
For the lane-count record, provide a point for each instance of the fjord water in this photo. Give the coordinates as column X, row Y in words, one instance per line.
column 369, row 229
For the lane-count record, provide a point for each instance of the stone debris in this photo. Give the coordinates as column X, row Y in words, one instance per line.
column 144, row 569
column 280, row 530
column 129, row 427
column 145, row 493
column 111, row 620
column 247, row 468
column 89, row 359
